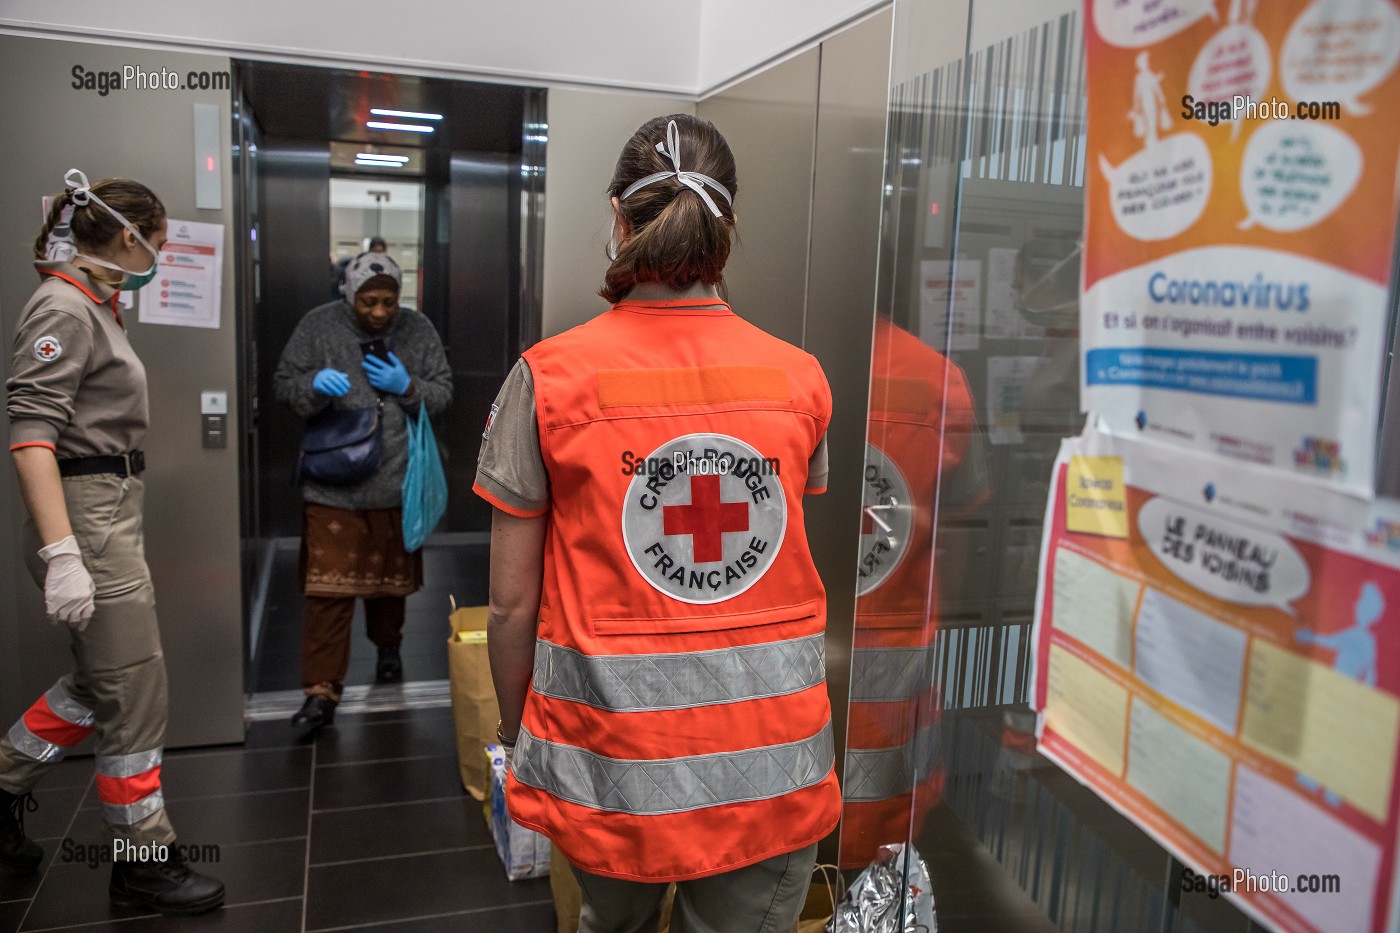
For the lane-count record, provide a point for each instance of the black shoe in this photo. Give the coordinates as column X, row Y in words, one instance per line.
column 167, row 887
column 317, row 711
column 390, row 667
column 19, row 855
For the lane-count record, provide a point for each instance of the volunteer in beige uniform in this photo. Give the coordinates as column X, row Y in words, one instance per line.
column 78, row 415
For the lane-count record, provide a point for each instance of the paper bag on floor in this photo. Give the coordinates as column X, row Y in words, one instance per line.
column 474, row 709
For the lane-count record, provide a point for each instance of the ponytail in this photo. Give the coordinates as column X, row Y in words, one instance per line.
column 41, row 242
column 676, row 238
column 93, row 228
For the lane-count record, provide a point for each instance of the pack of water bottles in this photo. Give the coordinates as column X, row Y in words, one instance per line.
column 524, row 852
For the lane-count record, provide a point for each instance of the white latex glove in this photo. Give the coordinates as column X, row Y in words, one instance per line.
column 68, row 587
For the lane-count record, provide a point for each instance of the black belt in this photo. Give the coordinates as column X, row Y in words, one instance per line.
column 131, row 464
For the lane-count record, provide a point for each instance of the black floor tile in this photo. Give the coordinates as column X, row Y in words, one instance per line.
column 401, row 829
column 212, row 774
column 271, row 734
column 426, row 714
column 227, row 820
column 11, row 915
column 388, row 782
column 534, row 918
column 73, row 893
column 21, row 887
column 276, row 917
column 56, row 808
column 422, row 885
column 263, row 871
column 77, row 893
column 365, row 741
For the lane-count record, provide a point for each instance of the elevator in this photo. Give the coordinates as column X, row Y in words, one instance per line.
column 449, row 174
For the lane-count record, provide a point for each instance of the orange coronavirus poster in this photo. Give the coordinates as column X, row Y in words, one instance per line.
column 1218, row 657
column 1241, row 189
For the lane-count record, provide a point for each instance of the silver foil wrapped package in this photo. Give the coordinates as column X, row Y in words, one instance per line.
column 893, row 895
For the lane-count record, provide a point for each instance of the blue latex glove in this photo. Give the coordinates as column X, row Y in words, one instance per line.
column 389, row 377
column 331, row 382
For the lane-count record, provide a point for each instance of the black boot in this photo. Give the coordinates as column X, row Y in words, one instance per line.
column 19, row 855
column 389, row 670
column 167, row 887
column 317, row 711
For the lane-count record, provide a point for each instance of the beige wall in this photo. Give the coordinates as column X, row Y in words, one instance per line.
column 191, row 493
column 586, row 133
column 770, row 122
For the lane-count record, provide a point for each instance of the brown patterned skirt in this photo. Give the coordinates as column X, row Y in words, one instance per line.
column 356, row 552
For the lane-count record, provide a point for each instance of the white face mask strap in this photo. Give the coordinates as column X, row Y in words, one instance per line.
column 695, row 181
column 80, row 194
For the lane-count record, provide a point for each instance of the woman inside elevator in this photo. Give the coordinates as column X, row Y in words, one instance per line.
column 78, row 415
column 363, row 353
column 656, row 623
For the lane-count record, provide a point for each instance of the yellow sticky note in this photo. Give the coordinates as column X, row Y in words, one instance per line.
column 1095, row 502
column 472, row 638
column 1332, row 729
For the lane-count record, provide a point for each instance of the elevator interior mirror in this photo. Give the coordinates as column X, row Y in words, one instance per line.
column 367, row 209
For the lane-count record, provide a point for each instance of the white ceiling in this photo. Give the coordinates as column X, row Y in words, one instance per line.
column 670, row 46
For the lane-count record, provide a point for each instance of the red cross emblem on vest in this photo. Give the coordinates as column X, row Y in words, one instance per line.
column 706, row 519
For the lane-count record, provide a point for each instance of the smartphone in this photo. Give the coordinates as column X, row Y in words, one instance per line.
column 375, row 348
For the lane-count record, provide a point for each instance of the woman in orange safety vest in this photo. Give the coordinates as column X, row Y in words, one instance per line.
column 657, row 623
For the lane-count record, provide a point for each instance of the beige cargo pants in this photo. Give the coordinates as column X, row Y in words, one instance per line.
column 117, row 690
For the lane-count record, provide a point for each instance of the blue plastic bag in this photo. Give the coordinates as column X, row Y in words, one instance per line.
column 424, row 483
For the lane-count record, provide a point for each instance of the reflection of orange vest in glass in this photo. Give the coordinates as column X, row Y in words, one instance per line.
column 921, row 419
column 677, row 724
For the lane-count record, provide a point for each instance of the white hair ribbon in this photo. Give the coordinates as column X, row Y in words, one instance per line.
column 78, row 191
column 80, row 194
column 695, row 181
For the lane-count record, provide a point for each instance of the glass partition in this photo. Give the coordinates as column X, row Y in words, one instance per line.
column 974, row 381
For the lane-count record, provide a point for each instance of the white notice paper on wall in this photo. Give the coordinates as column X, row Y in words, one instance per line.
column 187, row 289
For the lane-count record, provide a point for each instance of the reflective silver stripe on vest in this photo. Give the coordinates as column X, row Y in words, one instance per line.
column 636, row 682
column 31, row 746
column 132, row 813
column 67, row 708
column 881, row 773
column 672, row 785
column 125, row 766
column 890, row 674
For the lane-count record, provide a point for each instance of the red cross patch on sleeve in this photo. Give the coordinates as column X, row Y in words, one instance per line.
column 47, row 349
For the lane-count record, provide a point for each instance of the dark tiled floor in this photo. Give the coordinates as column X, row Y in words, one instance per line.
column 458, row 570
column 367, row 828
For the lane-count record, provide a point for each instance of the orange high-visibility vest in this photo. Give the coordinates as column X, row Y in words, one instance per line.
column 677, row 724
column 921, row 424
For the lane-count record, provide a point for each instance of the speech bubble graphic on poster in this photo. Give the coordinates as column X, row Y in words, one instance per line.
column 1339, row 51
column 1162, row 190
column 1133, row 24
column 1295, row 174
column 1234, row 62
column 1224, row 558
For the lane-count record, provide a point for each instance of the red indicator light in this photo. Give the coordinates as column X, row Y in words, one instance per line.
column 933, row 208
column 209, row 163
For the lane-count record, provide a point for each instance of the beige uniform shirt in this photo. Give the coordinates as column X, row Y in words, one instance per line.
column 76, row 386
column 511, row 466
